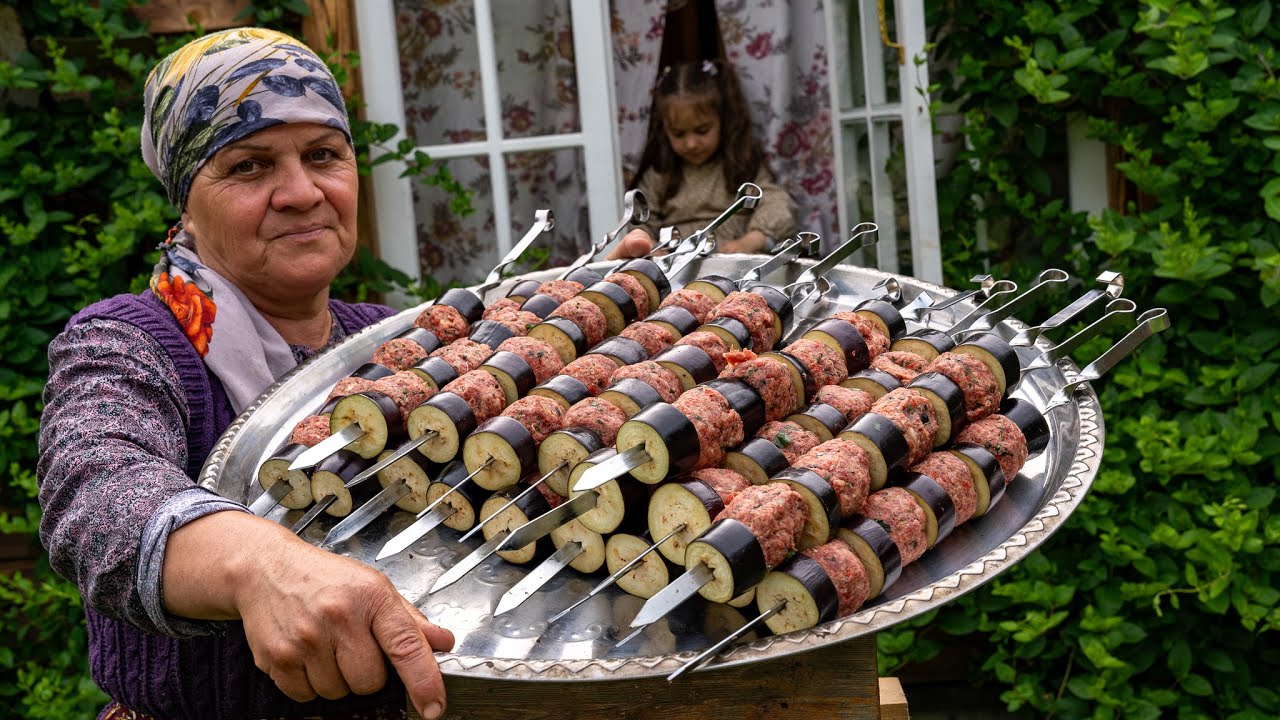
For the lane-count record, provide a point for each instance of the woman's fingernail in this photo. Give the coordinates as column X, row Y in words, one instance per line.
column 433, row 711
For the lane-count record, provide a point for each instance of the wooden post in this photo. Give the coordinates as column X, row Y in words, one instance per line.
column 834, row 682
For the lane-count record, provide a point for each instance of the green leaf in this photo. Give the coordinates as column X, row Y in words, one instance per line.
column 1036, row 134
column 1270, row 195
column 1004, row 112
column 1180, row 659
column 1255, row 376
column 1197, row 685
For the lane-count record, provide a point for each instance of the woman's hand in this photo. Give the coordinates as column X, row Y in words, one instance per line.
column 317, row 623
column 632, row 245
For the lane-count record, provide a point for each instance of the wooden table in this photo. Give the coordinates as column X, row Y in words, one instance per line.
column 838, row 681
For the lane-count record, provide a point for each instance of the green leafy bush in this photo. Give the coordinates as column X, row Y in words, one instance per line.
column 1158, row 598
column 82, row 215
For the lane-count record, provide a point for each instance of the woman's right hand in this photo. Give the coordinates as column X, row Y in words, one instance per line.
column 317, row 623
column 636, row 243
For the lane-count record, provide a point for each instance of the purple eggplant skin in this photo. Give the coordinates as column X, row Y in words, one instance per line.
column 942, row 390
column 425, row 339
column 517, row 444
column 935, row 501
column 467, row 303
column 630, row 395
column 871, row 542
column 619, row 307
column 801, row 378
column 540, row 305
column 675, row 447
column 757, row 460
column 562, row 334
column 524, row 290
column 1030, row 421
column 372, row 371
column 824, row 505
column 744, row 400
column 884, row 443
column 564, row 389
column 740, row 548
column 820, row 419
column 885, row 315
column 877, row 383
column 655, row 282
column 716, row 287
column 846, row 338
column 676, row 319
column 779, row 303
column 584, row 276
column 988, row 476
column 435, row 371
column 732, row 332
column 929, row 343
column 997, row 351
column 512, row 373
column 693, row 365
column 623, row 351
column 490, row 332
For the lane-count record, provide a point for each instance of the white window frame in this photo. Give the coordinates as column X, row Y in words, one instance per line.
column 394, row 214
column 917, row 130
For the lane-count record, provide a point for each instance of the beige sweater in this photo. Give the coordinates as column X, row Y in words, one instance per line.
column 703, row 196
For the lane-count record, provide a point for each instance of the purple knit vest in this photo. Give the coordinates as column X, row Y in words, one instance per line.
column 208, row 677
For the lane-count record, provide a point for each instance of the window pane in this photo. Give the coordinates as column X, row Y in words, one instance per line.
column 876, row 189
column 533, row 41
column 871, row 80
column 452, row 247
column 553, row 179
column 440, row 71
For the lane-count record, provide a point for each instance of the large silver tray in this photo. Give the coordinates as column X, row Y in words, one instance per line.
column 520, row 645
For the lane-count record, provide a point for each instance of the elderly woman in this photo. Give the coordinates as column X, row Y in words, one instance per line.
column 195, row 607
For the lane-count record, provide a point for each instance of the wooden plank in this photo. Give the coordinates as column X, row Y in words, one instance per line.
column 834, row 682
column 170, row 16
column 893, row 702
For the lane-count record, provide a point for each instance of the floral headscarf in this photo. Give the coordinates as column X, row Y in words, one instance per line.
column 223, row 87
column 212, row 92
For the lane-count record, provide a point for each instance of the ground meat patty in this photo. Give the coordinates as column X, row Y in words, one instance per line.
column 789, row 437
column 586, row 315
column 553, row 499
column 542, row 358
column 654, row 375
column 774, row 513
column 897, row 510
column 310, row 430
column 853, row 585
column 751, row 310
column 561, row 290
column 915, row 416
column 844, row 465
column 654, row 338
column 594, row 414
column 349, row 386
column 634, row 289
column 953, row 475
column 399, row 353
column 710, row 343
column 772, row 380
column 718, row 425
column 725, row 482
column 979, row 385
column 593, row 371
column 1002, row 438
column 406, row 389
column 481, row 391
column 498, row 307
column 877, row 342
column 517, row 321
column 445, row 321
column 464, row 355
column 903, row 366
column 539, row 415
column 698, row 304
column 825, row 363
column 850, row 402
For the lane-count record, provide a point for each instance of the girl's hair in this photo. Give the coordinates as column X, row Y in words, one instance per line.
column 712, row 86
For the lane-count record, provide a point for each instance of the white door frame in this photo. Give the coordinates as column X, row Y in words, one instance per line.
column 917, row 129
column 598, row 139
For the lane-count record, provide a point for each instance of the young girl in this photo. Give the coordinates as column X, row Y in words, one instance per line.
column 699, row 150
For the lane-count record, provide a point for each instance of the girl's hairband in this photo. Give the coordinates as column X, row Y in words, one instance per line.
column 709, row 67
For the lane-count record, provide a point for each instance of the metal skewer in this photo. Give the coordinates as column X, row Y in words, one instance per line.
column 1113, row 285
column 996, row 294
column 622, row 571
column 533, row 486
column 1116, row 310
column 703, row 242
column 315, row 454
column 714, row 650
column 312, row 513
column 1047, row 279
column 985, row 283
column 270, row 498
column 429, row 519
column 803, row 244
column 635, row 211
column 1149, row 323
column 538, row 577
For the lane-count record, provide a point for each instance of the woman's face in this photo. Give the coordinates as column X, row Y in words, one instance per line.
column 275, row 213
column 693, row 131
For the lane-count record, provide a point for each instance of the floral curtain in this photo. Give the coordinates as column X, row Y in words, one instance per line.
column 440, row 71
column 780, row 53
